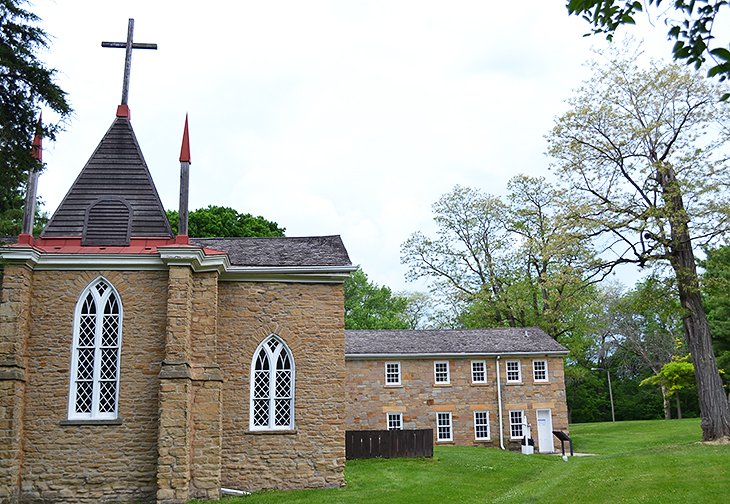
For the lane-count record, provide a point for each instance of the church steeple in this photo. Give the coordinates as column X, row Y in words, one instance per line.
column 114, row 198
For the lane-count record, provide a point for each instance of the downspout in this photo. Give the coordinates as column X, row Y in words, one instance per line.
column 499, row 407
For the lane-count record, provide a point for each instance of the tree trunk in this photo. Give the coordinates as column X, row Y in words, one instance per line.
column 714, row 408
column 665, row 404
column 679, row 406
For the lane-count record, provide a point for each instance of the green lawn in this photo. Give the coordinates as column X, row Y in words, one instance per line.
column 642, row 461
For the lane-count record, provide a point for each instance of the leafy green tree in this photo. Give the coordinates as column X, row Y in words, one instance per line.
column 716, row 294
column 370, row 306
column 640, row 154
column 692, row 30
column 647, row 324
column 675, row 376
column 217, row 221
column 506, row 264
column 26, row 85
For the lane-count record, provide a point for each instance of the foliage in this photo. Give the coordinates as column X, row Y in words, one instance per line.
column 26, row 85
column 643, row 461
column 217, row 221
column 641, row 155
column 716, row 294
column 505, row 264
column 692, row 32
column 647, row 322
column 370, row 306
column 676, row 375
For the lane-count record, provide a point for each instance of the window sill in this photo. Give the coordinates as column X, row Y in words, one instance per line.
column 393, row 385
column 514, row 383
column 282, row 432
column 445, row 441
column 483, row 440
column 442, row 384
column 479, row 384
column 83, row 421
column 541, row 382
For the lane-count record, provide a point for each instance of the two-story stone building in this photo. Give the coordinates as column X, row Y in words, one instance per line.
column 473, row 387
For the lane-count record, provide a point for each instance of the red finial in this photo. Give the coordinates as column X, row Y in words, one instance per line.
column 37, row 147
column 185, row 149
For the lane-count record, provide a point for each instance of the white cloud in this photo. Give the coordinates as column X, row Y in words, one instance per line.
column 331, row 117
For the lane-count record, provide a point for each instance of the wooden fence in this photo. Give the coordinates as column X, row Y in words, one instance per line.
column 389, row 443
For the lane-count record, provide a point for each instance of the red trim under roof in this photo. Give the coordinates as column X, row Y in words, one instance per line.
column 72, row 245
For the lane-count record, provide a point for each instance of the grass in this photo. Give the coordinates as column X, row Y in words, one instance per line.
column 642, row 461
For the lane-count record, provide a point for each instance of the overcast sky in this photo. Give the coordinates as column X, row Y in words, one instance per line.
column 328, row 117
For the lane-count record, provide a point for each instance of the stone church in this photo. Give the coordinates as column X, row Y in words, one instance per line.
column 140, row 366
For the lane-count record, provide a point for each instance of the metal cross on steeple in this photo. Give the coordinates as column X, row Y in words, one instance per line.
column 128, row 45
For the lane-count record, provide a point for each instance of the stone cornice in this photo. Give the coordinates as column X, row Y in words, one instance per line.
column 192, row 257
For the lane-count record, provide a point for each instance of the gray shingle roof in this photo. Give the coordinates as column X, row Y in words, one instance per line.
column 441, row 342
column 114, row 197
column 290, row 251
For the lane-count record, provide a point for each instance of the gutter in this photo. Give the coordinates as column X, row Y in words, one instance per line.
column 431, row 355
column 499, row 407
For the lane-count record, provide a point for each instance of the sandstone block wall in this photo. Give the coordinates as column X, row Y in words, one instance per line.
column 419, row 399
column 309, row 318
column 92, row 463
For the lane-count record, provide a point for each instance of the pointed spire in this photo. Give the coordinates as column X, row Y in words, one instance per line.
column 182, row 227
column 185, row 148
column 32, row 186
column 37, row 147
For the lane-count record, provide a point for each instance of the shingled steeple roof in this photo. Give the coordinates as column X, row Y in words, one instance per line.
column 114, row 198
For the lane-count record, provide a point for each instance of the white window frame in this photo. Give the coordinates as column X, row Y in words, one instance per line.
column 535, row 371
column 483, row 363
column 436, row 373
column 479, row 422
column 516, row 425
column 273, row 358
column 394, row 421
column 440, row 416
column 100, row 301
column 387, row 374
column 508, row 371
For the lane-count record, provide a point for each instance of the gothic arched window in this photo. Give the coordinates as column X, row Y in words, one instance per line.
column 272, row 386
column 97, row 343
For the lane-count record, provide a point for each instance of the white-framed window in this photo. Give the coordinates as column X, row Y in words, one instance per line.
column 96, row 353
column 392, row 373
column 514, row 372
column 272, row 386
column 540, row 370
column 481, row 425
column 395, row 421
column 441, row 372
column 516, row 423
column 443, row 427
column 478, row 371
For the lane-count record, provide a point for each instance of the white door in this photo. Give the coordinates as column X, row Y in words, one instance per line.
column 545, row 431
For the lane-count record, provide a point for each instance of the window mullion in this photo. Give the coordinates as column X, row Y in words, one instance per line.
column 272, row 388
column 96, row 377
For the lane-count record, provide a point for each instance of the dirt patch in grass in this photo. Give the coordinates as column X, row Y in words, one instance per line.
column 722, row 441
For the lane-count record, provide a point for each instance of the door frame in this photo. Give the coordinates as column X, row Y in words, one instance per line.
column 549, row 434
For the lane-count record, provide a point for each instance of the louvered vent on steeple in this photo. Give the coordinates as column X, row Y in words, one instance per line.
column 108, row 222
